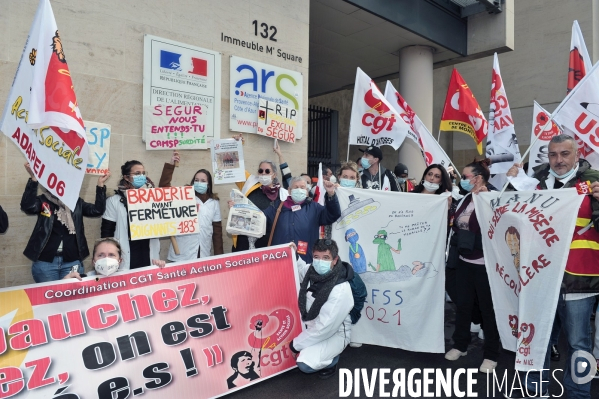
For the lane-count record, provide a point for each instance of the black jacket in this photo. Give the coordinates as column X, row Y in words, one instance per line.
column 3, row 221
column 31, row 204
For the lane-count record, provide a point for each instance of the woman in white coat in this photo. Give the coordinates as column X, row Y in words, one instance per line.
column 325, row 301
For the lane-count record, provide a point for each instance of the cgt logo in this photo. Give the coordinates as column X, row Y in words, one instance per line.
column 584, row 126
column 379, row 121
column 260, row 80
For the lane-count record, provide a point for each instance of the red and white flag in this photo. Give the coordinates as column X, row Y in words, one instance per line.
column 461, row 112
column 374, row 121
column 502, row 143
column 540, row 147
column 41, row 115
column 319, row 191
column 432, row 152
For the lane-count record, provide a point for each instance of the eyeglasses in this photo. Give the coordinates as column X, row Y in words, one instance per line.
column 464, row 177
column 138, row 174
column 380, row 236
column 261, row 171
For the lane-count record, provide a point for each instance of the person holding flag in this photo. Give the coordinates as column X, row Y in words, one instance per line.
column 374, row 175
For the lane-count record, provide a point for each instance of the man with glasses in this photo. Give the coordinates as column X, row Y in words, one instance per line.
column 330, row 300
column 581, row 278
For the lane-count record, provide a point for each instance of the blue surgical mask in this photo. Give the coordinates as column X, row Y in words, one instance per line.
column 322, row 267
column 139, row 181
column 564, row 176
column 347, row 183
column 466, row 185
column 200, row 187
column 365, row 163
column 298, row 195
column 401, row 180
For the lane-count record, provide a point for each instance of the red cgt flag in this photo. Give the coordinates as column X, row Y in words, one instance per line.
column 462, row 113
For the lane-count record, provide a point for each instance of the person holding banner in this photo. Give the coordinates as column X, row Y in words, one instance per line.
column 57, row 242
column 297, row 219
column 3, row 221
column 136, row 253
column 325, row 302
column 210, row 234
column 374, row 175
column 472, row 281
column 581, row 278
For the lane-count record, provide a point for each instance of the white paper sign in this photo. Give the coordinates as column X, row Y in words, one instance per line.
column 227, row 161
column 395, row 241
column 98, row 141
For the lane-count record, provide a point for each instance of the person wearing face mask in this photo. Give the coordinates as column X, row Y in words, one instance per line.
column 308, row 180
column 330, row 300
column 348, row 175
column 136, row 253
column 57, row 243
column 210, row 233
column 106, row 259
column 472, row 282
column 374, row 175
column 580, row 284
column 298, row 218
column 401, row 175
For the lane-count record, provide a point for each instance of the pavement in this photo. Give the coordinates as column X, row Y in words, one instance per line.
column 295, row 384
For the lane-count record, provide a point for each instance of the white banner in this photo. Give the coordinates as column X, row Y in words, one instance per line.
column 539, row 148
column 525, row 279
column 252, row 81
column 98, row 140
column 57, row 155
column 181, row 95
column 374, row 121
column 396, row 242
column 502, row 143
column 432, row 152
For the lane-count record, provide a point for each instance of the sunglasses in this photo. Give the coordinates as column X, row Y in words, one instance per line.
column 267, row 171
column 380, row 236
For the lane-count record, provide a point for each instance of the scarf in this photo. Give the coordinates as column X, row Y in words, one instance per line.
column 63, row 213
column 289, row 203
column 320, row 286
column 271, row 192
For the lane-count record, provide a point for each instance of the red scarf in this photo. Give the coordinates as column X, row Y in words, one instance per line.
column 271, row 192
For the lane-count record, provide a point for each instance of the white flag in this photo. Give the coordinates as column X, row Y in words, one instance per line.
column 42, row 96
column 502, row 143
column 540, row 147
column 373, row 120
column 432, row 152
column 526, row 240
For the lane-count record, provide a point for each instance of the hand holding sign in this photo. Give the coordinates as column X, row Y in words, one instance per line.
column 102, row 179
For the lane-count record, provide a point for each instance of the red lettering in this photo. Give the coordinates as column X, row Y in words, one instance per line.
column 366, row 123
column 11, row 381
column 75, row 325
column 165, row 300
column 126, row 302
column 587, row 128
column 94, row 316
column 187, row 298
column 38, row 375
column 29, row 333
column 132, row 196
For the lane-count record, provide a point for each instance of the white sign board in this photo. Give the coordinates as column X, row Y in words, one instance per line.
column 227, row 161
column 181, row 95
column 252, row 81
column 98, row 142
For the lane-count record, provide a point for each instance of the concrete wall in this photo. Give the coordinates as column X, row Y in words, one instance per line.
column 535, row 70
column 103, row 41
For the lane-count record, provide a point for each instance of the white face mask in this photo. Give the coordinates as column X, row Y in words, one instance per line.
column 430, row 187
column 106, row 266
column 265, row 180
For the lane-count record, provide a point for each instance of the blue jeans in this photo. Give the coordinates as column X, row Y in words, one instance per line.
column 557, row 327
column 309, row 370
column 55, row 270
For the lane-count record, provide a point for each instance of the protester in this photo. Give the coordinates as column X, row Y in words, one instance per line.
column 325, row 302
column 435, row 180
column 3, row 221
column 264, row 191
column 297, row 219
column 285, row 170
column 471, row 276
column 374, row 175
column 106, row 259
column 349, row 176
column 58, row 242
column 580, row 284
column 401, row 175
column 210, row 230
column 115, row 223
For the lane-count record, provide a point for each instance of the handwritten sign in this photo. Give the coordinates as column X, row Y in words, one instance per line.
column 98, row 141
column 277, row 121
column 161, row 212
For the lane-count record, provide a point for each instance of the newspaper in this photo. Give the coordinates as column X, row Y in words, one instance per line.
column 245, row 218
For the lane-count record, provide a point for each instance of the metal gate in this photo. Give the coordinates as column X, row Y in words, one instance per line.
column 323, row 126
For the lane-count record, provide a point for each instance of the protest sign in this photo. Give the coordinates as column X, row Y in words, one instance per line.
column 525, row 279
column 181, row 95
column 403, row 267
column 277, row 121
column 245, row 218
column 161, row 212
column 98, row 141
column 252, row 81
column 193, row 329
column 56, row 149
column 227, row 161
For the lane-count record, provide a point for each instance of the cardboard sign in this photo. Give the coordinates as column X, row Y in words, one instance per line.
column 98, row 141
column 161, row 212
column 277, row 121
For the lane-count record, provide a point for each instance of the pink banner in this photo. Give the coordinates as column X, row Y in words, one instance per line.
column 202, row 328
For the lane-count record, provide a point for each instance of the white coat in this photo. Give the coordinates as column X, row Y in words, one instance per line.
column 329, row 333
